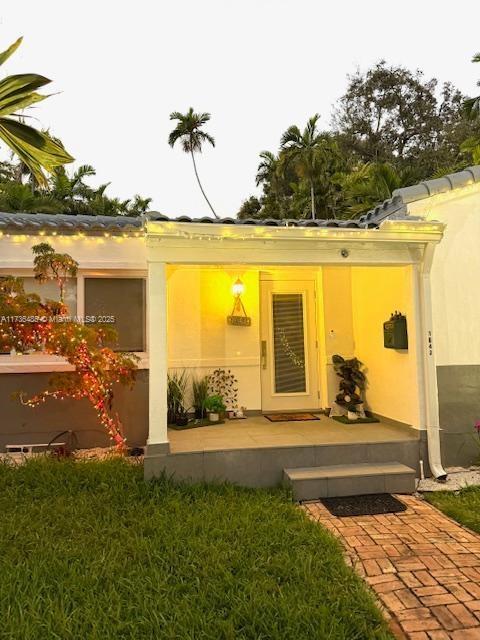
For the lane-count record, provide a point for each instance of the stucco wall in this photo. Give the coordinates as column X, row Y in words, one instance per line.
column 456, row 315
column 20, row 424
column 455, row 275
column 199, row 338
column 91, row 252
column 337, row 327
column 392, row 374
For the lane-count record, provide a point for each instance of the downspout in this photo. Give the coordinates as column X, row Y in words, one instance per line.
column 428, row 370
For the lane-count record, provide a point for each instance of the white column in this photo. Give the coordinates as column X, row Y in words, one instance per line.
column 157, row 347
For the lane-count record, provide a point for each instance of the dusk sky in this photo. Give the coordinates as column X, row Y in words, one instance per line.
column 257, row 66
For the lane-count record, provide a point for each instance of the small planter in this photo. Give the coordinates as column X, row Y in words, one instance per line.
column 352, row 415
column 214, row 417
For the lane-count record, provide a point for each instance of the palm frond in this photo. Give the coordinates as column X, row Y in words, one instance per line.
column 5, row 55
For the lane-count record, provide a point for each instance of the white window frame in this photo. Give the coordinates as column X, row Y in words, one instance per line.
column 45, row 363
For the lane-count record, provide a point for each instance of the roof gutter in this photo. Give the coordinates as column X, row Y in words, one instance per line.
column 428, row 372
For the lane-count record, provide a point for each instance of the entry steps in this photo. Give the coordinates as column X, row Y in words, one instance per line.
column 310, row 483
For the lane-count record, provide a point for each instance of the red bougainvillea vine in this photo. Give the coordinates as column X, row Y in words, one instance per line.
column 28, row 324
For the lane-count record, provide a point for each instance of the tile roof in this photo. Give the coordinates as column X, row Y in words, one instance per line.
column 31, row 223
column 34, row 222
column 393, row 208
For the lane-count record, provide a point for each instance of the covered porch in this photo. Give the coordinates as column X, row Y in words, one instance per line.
column 257, row 432
column 307, row 294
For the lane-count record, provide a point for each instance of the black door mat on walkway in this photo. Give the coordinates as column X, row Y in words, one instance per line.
column 374, row 504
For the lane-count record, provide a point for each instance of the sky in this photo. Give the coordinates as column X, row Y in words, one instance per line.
column 120, row 68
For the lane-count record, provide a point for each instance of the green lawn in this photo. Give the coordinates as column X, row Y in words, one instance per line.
column 90, row 550
column 463, row 506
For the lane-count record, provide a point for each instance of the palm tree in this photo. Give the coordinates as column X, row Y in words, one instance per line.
column 36, row 149
column 189, row 132
column 267, row 168
column 303, row 149
column 367, row 184
column 472, row 105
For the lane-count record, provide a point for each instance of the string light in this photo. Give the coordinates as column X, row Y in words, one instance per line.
column 97, row 368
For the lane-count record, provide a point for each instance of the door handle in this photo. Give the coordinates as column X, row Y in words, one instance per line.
column 263, row 353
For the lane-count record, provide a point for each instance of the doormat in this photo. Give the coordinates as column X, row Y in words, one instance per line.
column 290, row 417
column 345, row 420
column 370, row 505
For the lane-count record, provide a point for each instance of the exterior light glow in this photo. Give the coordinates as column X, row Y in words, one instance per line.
column 238, row 287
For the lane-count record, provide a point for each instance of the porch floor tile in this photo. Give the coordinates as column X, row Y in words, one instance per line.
column 257, row 431
column 423, row 567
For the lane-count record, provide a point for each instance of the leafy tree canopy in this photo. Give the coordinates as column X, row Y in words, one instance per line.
column 391, row 128
column 65, row 192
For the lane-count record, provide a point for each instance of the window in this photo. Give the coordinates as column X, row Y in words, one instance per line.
column 50, row 291
column 123, row 300
column 289, row 343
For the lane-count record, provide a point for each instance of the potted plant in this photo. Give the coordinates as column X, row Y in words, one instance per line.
column 223, row 383
column 352, row 384
column 214, row 406
column 176, row 390
column 200, row 395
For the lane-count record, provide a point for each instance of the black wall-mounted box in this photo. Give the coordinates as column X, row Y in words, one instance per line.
column 395, row 335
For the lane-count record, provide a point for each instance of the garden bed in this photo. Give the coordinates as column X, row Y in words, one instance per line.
column 195, row 424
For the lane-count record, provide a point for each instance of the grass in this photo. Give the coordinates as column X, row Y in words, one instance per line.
column 91, row 551
column 463, row 506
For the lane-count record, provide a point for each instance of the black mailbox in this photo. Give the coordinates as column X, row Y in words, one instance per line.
column 395, row 335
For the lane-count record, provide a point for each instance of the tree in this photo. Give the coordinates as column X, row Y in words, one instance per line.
column 50, row 265
column 392, row 115
column 472, row 105
column 65, row 193
column 303, row 149
column 27, row 324
column 189, row 132
column 15, row 196
column 36, row 149
column 249, row 208
column 366, row 185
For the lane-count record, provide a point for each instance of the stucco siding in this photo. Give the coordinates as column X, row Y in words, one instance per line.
column 20, row 424
column 392, row 389
column 459, row 406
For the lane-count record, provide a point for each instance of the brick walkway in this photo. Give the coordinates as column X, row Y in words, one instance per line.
column 424, row 567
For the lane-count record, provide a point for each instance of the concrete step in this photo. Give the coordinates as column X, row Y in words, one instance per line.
column 310, row 483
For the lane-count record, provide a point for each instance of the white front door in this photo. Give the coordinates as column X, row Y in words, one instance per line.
column 288, row 347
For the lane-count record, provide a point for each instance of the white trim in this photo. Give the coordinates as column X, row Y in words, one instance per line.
column 45, row 363
column 208, row 363
column 94, row 265
column 157, row 381
column 389, row 231
column 396, row 242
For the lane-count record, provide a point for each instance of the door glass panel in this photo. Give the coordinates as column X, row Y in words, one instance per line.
column 288, row 343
